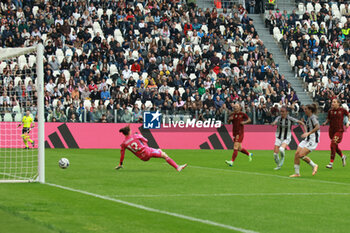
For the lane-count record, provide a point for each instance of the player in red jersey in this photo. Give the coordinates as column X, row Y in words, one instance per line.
column 136, row 144
column 336, row 121
column 238, row 119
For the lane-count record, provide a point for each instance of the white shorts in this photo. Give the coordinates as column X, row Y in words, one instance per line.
column 311, row 145
column 279, row 142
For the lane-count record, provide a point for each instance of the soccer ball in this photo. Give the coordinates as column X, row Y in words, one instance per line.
column 63, row 163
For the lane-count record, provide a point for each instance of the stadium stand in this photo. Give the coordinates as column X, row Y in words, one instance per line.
column 109, row 61
column 317, row 44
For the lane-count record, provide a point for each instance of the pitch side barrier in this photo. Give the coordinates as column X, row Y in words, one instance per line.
column 106, row 135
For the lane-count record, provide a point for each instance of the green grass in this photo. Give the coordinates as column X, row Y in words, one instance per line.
column 250, row 196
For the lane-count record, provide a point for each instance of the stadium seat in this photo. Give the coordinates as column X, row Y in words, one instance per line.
column 27, row 80
column 317, row 7
column 325, row 80
column 135, row 75
column 197, row 48
column 66, row 74
column 341, row 7
column 292, row 59
column 96, row 102
column 79, row 51
column 60, row 59
column 309, row 7
column 69, row 52
column 16, row 109
column 341, row 52
column 8, row 117
column 109, row 12
column 87, row 104
column 181, row 90
column 59, row 52
column 245, row 56
column 18, row 117
column 54, row 103
column 175, row 61
column 3, row 64
column 139, row 103
column 312, row 71
column 109, row 81
column 301, row 8
column 178, row 27
column 335, row 7
column 17, row 80
column 35, row 10
column 140, row 6
column 113, row 69
column 144, row 76
column 148, row 104
column 336, row 13
column 120, row 39
column 171, row 90
column 219, row 55
column 193, row 76
column 222, row 29
column 99, row 12
column 343, row 20
column 106, row 102
column 31, row 60
column 205, row 28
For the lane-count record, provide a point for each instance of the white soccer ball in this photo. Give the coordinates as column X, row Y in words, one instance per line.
column 63, row 163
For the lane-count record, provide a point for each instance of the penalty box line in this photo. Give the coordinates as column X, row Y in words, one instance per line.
column 149, row 209
column 270, row 175
column 229, row 195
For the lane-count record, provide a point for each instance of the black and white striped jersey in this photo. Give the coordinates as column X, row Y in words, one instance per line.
column 284, row 127
column 311, row 123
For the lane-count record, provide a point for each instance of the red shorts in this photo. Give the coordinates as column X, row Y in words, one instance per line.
column 238, row 138
column 151, row 153
column 336, row 136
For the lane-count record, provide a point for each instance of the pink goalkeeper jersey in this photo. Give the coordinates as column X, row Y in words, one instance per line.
column 135, row 143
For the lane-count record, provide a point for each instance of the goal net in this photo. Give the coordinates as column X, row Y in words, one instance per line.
column 21, row 99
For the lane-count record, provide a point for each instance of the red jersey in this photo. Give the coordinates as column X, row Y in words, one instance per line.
column 135, row 143
column 336, row 119
column 237, row 128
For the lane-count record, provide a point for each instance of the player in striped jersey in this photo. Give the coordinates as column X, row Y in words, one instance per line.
column 310, row 142
column 284, row 124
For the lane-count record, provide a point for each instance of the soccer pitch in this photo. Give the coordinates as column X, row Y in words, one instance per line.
column 208, row 196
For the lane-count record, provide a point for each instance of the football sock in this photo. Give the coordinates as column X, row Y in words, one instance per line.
column 277, row 159
column 312, row 164
column 339, row 152
column 30, row 140
column 171, row 162
column 282, row 151
column 244, row 151
column 296, row 168
column 234, row 155
column 333, row 150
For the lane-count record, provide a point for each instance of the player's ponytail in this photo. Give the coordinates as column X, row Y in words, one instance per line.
column 312, row 107
column 125, row 130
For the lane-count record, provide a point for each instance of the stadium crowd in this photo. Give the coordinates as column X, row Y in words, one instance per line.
column 317, row 42
column 109, row 61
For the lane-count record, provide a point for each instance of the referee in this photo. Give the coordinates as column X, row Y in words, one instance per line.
column 28, row 124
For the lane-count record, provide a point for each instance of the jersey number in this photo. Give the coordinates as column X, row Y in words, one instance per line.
column 133, row 147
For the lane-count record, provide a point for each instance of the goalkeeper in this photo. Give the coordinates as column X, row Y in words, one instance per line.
column 28, row 124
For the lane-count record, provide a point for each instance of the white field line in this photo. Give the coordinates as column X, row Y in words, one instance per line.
column 271, row 175
column 149, row 209
column 230, row 194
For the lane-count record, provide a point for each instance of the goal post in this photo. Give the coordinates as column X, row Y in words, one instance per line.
column 22, row 149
